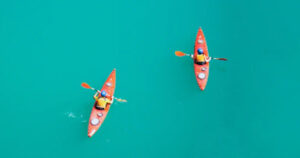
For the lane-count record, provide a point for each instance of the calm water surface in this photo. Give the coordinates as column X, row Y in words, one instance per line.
column 250, row 108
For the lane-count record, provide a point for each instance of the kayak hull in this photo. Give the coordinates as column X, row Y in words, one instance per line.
column 201, row 71
column 97, row 116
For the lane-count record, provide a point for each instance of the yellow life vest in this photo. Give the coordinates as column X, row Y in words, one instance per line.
column 200, row 58
column 102, row 102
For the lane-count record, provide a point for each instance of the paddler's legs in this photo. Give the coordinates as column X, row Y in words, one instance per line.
column 200, row 63
column 99, row 108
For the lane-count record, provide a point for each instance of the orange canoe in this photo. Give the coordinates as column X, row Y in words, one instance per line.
column 97, row 116
column 201, row 71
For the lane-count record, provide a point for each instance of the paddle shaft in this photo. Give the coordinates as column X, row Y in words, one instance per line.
column 192, row 56
column 118, row 99
column 85, row 85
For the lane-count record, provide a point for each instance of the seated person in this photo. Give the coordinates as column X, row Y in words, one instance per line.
column 102, row 101
column 201, row 59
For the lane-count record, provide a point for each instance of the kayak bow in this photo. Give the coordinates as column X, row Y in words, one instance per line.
column 97, row 116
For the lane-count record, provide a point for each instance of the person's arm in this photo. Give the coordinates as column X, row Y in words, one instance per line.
column 207, row 59
column 192, row 56
column 110, row 101
column 96, row 95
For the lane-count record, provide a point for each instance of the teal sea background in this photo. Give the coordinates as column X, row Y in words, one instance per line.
column 249, row 109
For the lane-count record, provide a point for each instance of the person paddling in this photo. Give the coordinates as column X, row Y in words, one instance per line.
column 102, row 100
column 201, row 58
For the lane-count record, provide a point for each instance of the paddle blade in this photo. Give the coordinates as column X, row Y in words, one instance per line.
column 121, row 100
column 85, row 85
column 179, row 53
column 224, row 59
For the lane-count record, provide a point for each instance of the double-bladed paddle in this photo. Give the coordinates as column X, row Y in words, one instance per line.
column 181, row 54
column 85, row 85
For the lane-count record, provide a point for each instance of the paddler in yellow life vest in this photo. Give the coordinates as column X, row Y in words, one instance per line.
column 102, row 101
column 201, row 59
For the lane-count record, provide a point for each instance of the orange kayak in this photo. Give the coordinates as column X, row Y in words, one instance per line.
column 97, row 116
column 201, row 71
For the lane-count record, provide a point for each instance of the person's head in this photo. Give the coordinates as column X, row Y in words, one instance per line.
column 200, row 51
column 103, row 93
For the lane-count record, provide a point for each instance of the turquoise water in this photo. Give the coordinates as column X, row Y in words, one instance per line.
column 250, row 107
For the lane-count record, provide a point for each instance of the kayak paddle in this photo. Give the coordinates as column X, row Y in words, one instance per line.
column 224, row 59
column 181, row 54
column 120, row 100
column 85, row 85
